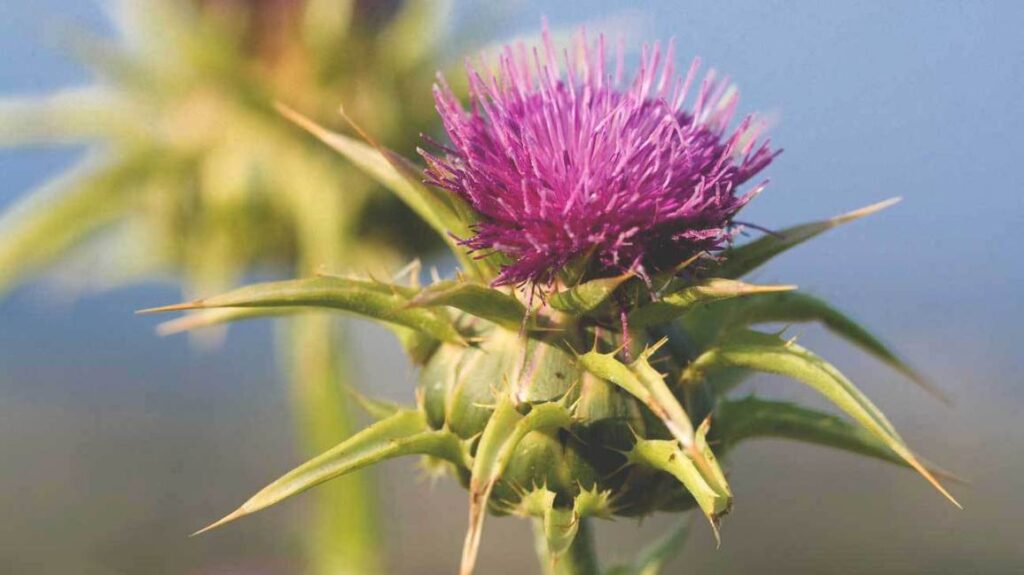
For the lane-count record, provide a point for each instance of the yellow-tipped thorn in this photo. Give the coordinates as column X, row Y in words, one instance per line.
column 935, row 482
column 302, row 121
column 652, row 349
column 197, row 304
column 226, row 519
column 866, row 210
column 359, row 129
column 478, row 496
column 687, row 262
column 716, row 532
column 912, row 460
column 773, row 288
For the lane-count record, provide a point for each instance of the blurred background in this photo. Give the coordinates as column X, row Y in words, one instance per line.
column 117, row 443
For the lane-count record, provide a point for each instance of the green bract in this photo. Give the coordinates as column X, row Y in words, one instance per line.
column 542, row 408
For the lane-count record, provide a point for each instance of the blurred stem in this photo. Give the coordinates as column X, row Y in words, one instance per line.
column 579, row 559
column 343, row 536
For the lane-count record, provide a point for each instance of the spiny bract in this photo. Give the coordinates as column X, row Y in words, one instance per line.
column 543, row 406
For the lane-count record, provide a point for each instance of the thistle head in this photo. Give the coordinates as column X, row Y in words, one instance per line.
column 558, row 172
column 566, row 164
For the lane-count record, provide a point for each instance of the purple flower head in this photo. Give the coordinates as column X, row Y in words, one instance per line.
column 576, row 168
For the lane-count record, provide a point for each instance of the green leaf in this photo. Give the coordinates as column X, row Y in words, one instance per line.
column 221, row 316
column 425, row 203
column 505, row 429
column 65, row 117
column 369, row 299
column 770, row 354
column 741, row 260
column 677, row 304
column 792, row 307
column 404, row 433
column 417, row 344
column 588, row 296
column 475, row 299
column 652, row 559
column 642, row 381
column 443, row 213
column 752, row 417
column 40, row 229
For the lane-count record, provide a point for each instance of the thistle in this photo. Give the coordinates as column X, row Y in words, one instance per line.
column 581, row 364
column 582, row 168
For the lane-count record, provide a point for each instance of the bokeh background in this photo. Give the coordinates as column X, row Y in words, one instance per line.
column 115, row 443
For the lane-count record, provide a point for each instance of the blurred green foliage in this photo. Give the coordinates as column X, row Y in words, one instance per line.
column 192, row 175
column 192, row 172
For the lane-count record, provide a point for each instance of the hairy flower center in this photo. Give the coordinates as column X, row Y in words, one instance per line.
column 562, row 166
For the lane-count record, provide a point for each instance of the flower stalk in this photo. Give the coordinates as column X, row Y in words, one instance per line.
column 336, row 543
column 579, row 559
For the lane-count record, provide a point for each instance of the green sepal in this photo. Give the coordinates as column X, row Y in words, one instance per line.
column 700, row 473
column 741, row 260
column 535, row 502
column 458, row 383
column 366, row 298
column 505, row 429
column 475, row 299
column 606, row 414
column 676, row 304
column 771, row 354
column 593, row 502
column 643, row 382
column 404, row 433
column 668, row 456
column 542, row 458
column 588, row 296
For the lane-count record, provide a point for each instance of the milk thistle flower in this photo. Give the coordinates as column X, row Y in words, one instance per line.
column 613, row 394
column 574, row 165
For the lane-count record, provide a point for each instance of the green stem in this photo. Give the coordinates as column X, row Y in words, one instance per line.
column 343, row 536
column 579, row 559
